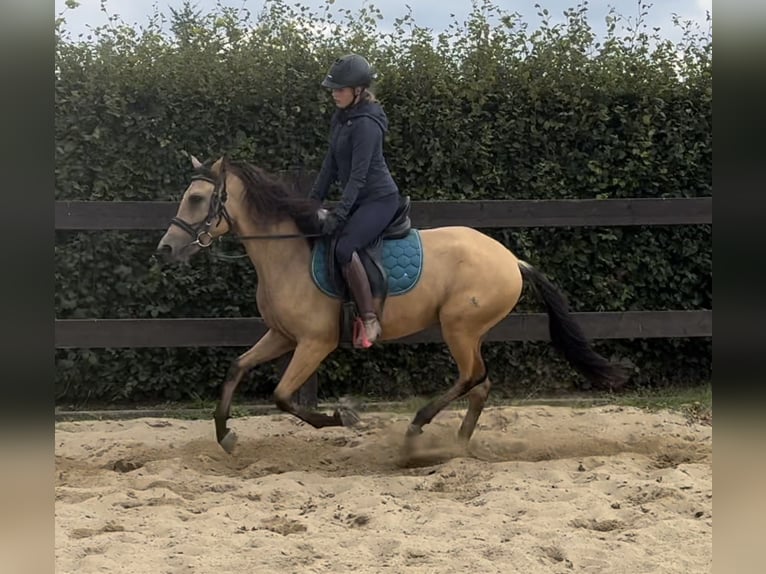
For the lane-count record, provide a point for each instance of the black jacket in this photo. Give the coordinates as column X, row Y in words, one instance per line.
column 355, row 158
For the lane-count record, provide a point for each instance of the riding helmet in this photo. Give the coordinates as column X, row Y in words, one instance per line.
column 351, row 70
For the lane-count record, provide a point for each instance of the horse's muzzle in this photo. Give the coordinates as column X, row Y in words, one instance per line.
column 164, row 253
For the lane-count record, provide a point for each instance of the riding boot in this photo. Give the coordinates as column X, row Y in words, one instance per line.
column 359, row 284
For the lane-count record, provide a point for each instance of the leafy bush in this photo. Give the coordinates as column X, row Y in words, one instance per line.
column 484, row 110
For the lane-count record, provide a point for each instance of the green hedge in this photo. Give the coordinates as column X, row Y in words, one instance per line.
column 484, row 110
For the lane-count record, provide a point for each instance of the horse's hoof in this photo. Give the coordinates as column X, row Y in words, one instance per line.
column 413, row 431
column 407, row 450
column 228, row 442
column 347, row 416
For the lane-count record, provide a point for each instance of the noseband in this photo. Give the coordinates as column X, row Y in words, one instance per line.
column 217, row 211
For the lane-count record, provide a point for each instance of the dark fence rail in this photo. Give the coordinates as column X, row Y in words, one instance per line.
column 245, row 331
column 238, row 331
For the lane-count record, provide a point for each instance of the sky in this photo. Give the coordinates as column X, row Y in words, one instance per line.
column 434, row 14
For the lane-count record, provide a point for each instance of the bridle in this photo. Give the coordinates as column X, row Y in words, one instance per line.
column 217, row 211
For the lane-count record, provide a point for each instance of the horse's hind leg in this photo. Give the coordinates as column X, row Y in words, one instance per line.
column 477, row 398
column 462, row 344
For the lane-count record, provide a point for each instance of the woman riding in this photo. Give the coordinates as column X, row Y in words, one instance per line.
column 370, row 197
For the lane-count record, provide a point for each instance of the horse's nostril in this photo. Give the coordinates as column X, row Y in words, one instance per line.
column 164, row 252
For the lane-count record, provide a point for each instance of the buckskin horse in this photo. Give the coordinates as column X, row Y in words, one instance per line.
column 455, row 277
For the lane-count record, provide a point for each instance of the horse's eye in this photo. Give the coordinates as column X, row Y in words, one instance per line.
column 196, row 199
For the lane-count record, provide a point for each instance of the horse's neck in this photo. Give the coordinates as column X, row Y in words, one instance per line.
column 275, row 258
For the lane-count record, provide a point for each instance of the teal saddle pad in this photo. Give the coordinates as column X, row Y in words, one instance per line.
column 402, row 261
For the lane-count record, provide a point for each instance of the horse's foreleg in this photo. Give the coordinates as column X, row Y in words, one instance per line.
column 306, row 359
column 269, row 347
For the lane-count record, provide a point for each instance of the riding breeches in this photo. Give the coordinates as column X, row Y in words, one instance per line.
column 364, row 226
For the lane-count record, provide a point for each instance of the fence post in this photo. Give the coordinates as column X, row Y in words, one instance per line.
column 307, row 395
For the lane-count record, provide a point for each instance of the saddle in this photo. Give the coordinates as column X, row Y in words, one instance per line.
column 370, row 256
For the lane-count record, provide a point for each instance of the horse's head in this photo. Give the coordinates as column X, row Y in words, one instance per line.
column 202, row 215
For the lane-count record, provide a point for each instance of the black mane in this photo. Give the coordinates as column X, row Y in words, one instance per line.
column 272, row 199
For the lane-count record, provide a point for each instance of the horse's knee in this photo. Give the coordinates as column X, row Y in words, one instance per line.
column 480, row 381
column 480, row 392
column 282, row 400
column 480, row 385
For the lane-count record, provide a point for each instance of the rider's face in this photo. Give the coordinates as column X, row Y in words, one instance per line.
column 344, row 96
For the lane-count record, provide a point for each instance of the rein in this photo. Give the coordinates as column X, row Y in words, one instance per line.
column 274, row 236
column 248, row 237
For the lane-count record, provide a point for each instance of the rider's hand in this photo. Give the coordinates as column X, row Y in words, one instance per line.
column 328, row 223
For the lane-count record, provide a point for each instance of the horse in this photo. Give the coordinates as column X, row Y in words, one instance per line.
column 467, row 282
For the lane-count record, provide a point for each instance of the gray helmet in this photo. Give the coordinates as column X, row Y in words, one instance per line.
column 351, row 70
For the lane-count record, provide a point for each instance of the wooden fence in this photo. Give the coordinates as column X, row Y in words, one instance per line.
column 193, row 332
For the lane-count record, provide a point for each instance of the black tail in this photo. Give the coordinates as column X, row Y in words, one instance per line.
column 567, row 337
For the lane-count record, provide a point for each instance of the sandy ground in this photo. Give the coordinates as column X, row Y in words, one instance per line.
column 542, row 489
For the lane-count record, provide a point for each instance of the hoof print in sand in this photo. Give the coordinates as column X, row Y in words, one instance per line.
column 283, row 526
column 598, row 525
column 123, row 465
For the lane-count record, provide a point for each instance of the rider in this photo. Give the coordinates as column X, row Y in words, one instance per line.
column 370, row 196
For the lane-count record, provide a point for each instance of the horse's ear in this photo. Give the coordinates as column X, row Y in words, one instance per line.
column 196, row 164
column 220, row 164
